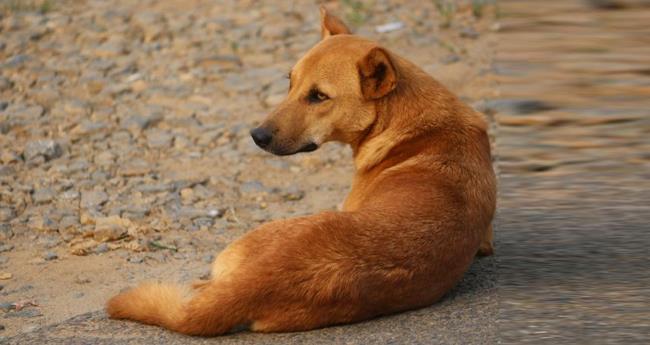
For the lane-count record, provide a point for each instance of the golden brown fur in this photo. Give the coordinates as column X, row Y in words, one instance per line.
column 420, row 207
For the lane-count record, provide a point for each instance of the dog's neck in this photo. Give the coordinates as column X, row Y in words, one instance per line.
column 418, row 106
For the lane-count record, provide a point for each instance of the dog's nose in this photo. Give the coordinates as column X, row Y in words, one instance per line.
column 261, row 136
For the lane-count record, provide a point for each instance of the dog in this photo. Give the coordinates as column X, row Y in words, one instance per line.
column 420, row 208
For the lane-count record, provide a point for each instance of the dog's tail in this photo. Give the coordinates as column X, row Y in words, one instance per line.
column 206, row 311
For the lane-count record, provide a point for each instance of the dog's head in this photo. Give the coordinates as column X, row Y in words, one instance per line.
column 332, row 93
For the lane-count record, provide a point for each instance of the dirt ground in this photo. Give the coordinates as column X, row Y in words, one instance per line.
column 125, row 146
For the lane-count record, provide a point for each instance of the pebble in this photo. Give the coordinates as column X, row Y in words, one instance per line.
column 136, row 259
column 6, row 214
column 5, row 232
column 43, row 195
column 93, row 199
column 101, row 248
column 48, row 149
column 49, row 256
column 25, row 313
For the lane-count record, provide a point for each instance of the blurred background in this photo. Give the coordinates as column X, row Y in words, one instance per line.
column 125, row 156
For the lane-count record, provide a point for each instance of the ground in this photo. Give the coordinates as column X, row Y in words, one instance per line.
column 126, row 157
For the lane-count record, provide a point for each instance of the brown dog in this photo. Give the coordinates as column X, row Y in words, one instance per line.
column 420, row 208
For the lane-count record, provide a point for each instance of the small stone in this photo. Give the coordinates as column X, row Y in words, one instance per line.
column 5, row 232
column 78, row 295
column 6, row 247
column 41, row 223
column 93, row 199
column 208, row 258
column 27, row 313
column 49, row 256
column 141, row 122
column 293, row 194
column 136, row 259
column 43, row 195
column 187, row 194
column 110, row 49
column 7, row 214
column 137, row 167
column 8, row 157
column 203, row 222
column 6, row 276
column 69, row 195
column 110, row 228
column 81, row 280
column 5, row 84
column 101, row 248
column 48, row 149
column 252, row 187
column 159, row 139
column 469, row 32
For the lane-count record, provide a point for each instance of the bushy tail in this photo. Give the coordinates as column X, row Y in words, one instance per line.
column 206, row 311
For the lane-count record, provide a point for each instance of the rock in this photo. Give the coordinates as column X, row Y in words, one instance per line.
column 293, row 194
column 7, row 214
column 3, row 261
column 203, row 222
column 48, row 149
column 110, row 228
column 208, row 259
column 80, row 279
column 6, row 276
column 5, row 84
column 110, row 49
column 6, row 247
column 250, row 187
column 26, row 313
column 469, row 32
column 192, row 212
column 93, row 199
column 8, row 157
column 86, row 128
column 5, row 232
column 136, row 259
column 43, row 195
column 135, row 167
column 159, row 139
column 139, row 122
column 49, row 256
column 42, row 223
column 68, row 222
column 69, row 195
column 101, row 248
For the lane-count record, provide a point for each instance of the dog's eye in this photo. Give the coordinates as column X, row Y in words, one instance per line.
column 315, row 96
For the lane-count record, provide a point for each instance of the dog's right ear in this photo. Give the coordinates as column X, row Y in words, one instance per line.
column 377, row 73
column 331, row 25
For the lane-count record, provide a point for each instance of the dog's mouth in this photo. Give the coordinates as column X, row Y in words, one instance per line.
column 308, row 148
column 305, row 148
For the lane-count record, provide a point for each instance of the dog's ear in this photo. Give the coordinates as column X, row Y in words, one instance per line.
column 331, row 25
column 377, row 73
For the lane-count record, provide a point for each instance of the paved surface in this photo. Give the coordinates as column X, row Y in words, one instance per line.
column 573, row 225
